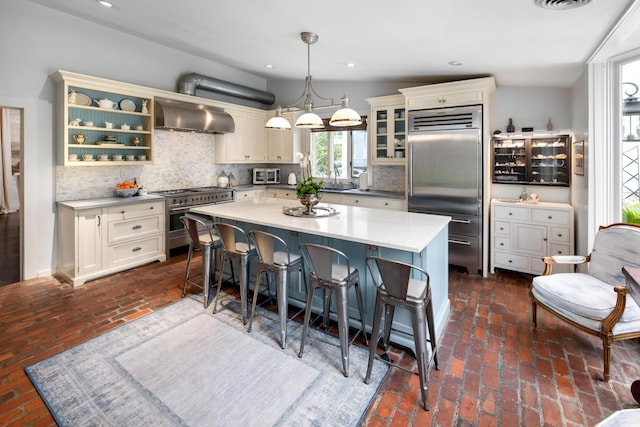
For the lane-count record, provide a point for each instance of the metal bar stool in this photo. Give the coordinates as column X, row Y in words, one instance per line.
column 236, row 246
column 201, row 235
column 398, row 289
column 330, row 270
column 278, row 263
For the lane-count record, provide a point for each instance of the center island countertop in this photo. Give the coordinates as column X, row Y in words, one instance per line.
column 406, row 231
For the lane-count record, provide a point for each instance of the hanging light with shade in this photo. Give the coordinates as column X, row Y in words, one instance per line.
column 345, row 116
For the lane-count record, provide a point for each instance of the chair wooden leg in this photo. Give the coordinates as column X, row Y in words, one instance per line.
column 534, row 313
column 606, row 356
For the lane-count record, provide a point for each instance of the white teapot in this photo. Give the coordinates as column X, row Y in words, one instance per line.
column 105, row 103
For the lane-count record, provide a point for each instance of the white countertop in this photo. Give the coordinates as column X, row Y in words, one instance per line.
column 401, row 230
column 109, row 201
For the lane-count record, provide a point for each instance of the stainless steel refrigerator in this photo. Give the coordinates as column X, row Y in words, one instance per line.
column 445, row 175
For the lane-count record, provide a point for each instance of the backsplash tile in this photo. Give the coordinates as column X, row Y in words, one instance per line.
column 181, row 160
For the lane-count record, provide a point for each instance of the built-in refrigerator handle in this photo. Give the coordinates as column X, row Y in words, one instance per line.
column 410, row 167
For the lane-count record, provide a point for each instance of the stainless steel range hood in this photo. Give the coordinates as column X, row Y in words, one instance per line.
column 191, row 117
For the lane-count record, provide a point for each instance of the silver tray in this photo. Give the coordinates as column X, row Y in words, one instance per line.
column 318, row 211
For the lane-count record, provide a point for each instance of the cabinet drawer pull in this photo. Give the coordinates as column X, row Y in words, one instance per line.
column 501, row 244
column 135, row 227
column 510, row 213
column 501, row 228
column 461, row 221
column 550, row 217
column 136, row 249
column 559, row 234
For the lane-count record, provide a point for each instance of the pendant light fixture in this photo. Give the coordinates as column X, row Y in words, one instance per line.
column 345, row 116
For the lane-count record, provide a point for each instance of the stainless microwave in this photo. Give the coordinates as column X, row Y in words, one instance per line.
column 266, row 176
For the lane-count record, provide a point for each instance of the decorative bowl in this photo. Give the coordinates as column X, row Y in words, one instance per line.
column 126, row 192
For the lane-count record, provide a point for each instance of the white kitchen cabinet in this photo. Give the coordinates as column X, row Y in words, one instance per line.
column 97, row 241
column 387, row 130
column 282, row 145
column 247, row 143
column 248, row 194
column 130, row 117
column 281, row 193
column 373, row 202
column 452, row 94
column 524, row 233
column 89, row 248
column 343, row 198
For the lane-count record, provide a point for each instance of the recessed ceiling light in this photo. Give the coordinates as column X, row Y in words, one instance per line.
column 105, row 3
column 561, row 4
column 455, row 63
column 268, row 66
column 351, row 65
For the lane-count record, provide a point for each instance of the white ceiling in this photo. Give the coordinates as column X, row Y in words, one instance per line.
column 516, row 41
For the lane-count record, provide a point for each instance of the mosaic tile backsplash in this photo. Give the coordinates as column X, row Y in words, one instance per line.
column 181, row 160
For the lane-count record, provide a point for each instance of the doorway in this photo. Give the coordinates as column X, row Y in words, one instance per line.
column 11, row 132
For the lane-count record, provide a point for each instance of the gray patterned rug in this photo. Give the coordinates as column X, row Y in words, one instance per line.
column 183, row 366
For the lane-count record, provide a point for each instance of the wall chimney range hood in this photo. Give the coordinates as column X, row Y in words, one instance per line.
column 190, row 117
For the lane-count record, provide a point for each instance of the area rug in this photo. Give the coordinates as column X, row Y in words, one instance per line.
column 183, row 366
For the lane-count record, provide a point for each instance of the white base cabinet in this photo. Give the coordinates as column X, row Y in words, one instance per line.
column 99, row 241
column 344, row 199
column 248, row 194
column 522, row 234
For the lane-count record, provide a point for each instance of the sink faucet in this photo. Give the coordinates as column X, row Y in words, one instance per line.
column 336, row 172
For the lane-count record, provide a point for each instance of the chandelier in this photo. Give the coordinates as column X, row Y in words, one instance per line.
column 345, row 116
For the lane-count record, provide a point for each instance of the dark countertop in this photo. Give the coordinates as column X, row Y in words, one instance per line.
column 355, row 191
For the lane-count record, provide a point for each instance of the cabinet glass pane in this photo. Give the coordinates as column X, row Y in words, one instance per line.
column 543, row 160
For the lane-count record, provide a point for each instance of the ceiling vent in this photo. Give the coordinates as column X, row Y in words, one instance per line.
column 561, row 4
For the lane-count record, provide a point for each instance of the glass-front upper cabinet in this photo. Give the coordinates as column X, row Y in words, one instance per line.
column 540, row 159
column 388, row 130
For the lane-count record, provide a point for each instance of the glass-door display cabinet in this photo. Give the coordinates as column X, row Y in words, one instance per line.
column 532, row 159
column 387, row 132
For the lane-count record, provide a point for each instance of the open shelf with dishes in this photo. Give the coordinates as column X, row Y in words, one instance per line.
column 103, row 121
column 543, row 159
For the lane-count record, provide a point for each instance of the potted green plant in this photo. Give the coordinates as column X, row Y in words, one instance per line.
column 308, row 190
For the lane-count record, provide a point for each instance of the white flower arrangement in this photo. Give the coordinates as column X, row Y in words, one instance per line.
column 306, row 185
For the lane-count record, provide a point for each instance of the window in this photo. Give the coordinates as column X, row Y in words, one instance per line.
column 630, row 141
column 340, row 153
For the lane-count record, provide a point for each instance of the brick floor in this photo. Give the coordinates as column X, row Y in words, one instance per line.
column 495, row 370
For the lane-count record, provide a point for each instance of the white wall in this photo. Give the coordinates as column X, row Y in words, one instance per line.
column 531, row 107
column 580, row 183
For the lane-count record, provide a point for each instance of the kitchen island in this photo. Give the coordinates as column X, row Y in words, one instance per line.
column 418, row 239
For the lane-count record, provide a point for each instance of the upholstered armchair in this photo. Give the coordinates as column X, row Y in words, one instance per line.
column 594, row 301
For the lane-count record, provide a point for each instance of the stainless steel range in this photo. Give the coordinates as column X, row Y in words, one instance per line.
column 178, row 202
